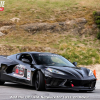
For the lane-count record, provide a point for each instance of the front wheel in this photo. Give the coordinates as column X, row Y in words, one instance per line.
column 1, row 82
column 39, row 81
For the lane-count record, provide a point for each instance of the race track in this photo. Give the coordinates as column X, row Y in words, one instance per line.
column 12, row 91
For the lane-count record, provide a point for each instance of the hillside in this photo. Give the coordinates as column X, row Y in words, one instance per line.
column 64, row 27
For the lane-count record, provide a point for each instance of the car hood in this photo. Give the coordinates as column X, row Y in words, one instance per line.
column 76, row 72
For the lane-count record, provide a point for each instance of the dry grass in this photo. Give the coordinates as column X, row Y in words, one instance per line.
column 90, row 3
column 48, row 10
column 83, row 50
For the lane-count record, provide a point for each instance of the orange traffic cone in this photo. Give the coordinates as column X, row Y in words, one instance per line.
column 94, row 72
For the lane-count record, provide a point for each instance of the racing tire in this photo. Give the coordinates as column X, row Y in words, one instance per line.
column 2, row 82
column 39, row 81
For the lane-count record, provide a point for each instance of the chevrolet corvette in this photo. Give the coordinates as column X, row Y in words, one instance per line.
column 45, row 71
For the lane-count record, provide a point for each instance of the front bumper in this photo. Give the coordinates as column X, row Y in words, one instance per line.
column 74, row 88
column 70, row 84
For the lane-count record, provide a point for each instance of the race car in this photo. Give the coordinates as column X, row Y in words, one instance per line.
column 45, row 71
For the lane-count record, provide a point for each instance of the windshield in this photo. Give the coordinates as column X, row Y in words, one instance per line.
column 51, row 60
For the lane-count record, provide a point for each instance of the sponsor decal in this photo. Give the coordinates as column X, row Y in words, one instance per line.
column 28, row 74
column 17, row 75
column 2, row 5
column 19, row 71
column 49, row 55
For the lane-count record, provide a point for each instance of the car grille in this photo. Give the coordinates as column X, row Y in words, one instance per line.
column 56, row 82
column 85, row 83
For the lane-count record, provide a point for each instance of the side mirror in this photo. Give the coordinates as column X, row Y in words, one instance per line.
column 75, row 63
column 25, row 60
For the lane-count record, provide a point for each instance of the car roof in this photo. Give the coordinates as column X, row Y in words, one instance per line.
column 37, row 52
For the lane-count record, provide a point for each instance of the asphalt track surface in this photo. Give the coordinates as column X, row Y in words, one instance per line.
column 12, row 91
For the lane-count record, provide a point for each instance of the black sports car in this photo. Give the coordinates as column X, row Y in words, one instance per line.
column 45, row 70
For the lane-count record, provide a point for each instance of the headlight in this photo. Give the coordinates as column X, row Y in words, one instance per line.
column 90, row 73
column 54, row 71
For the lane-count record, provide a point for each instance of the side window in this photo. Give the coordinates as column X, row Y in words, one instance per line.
column 26, row 56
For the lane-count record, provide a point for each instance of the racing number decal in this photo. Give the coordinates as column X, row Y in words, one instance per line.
column 28, row 74
column 16, row 70
column 19, row 70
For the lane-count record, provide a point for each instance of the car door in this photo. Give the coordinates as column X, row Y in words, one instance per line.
column 24, row 70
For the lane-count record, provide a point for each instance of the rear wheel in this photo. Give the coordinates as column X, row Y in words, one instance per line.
column 1, row 82
column 39, row 81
